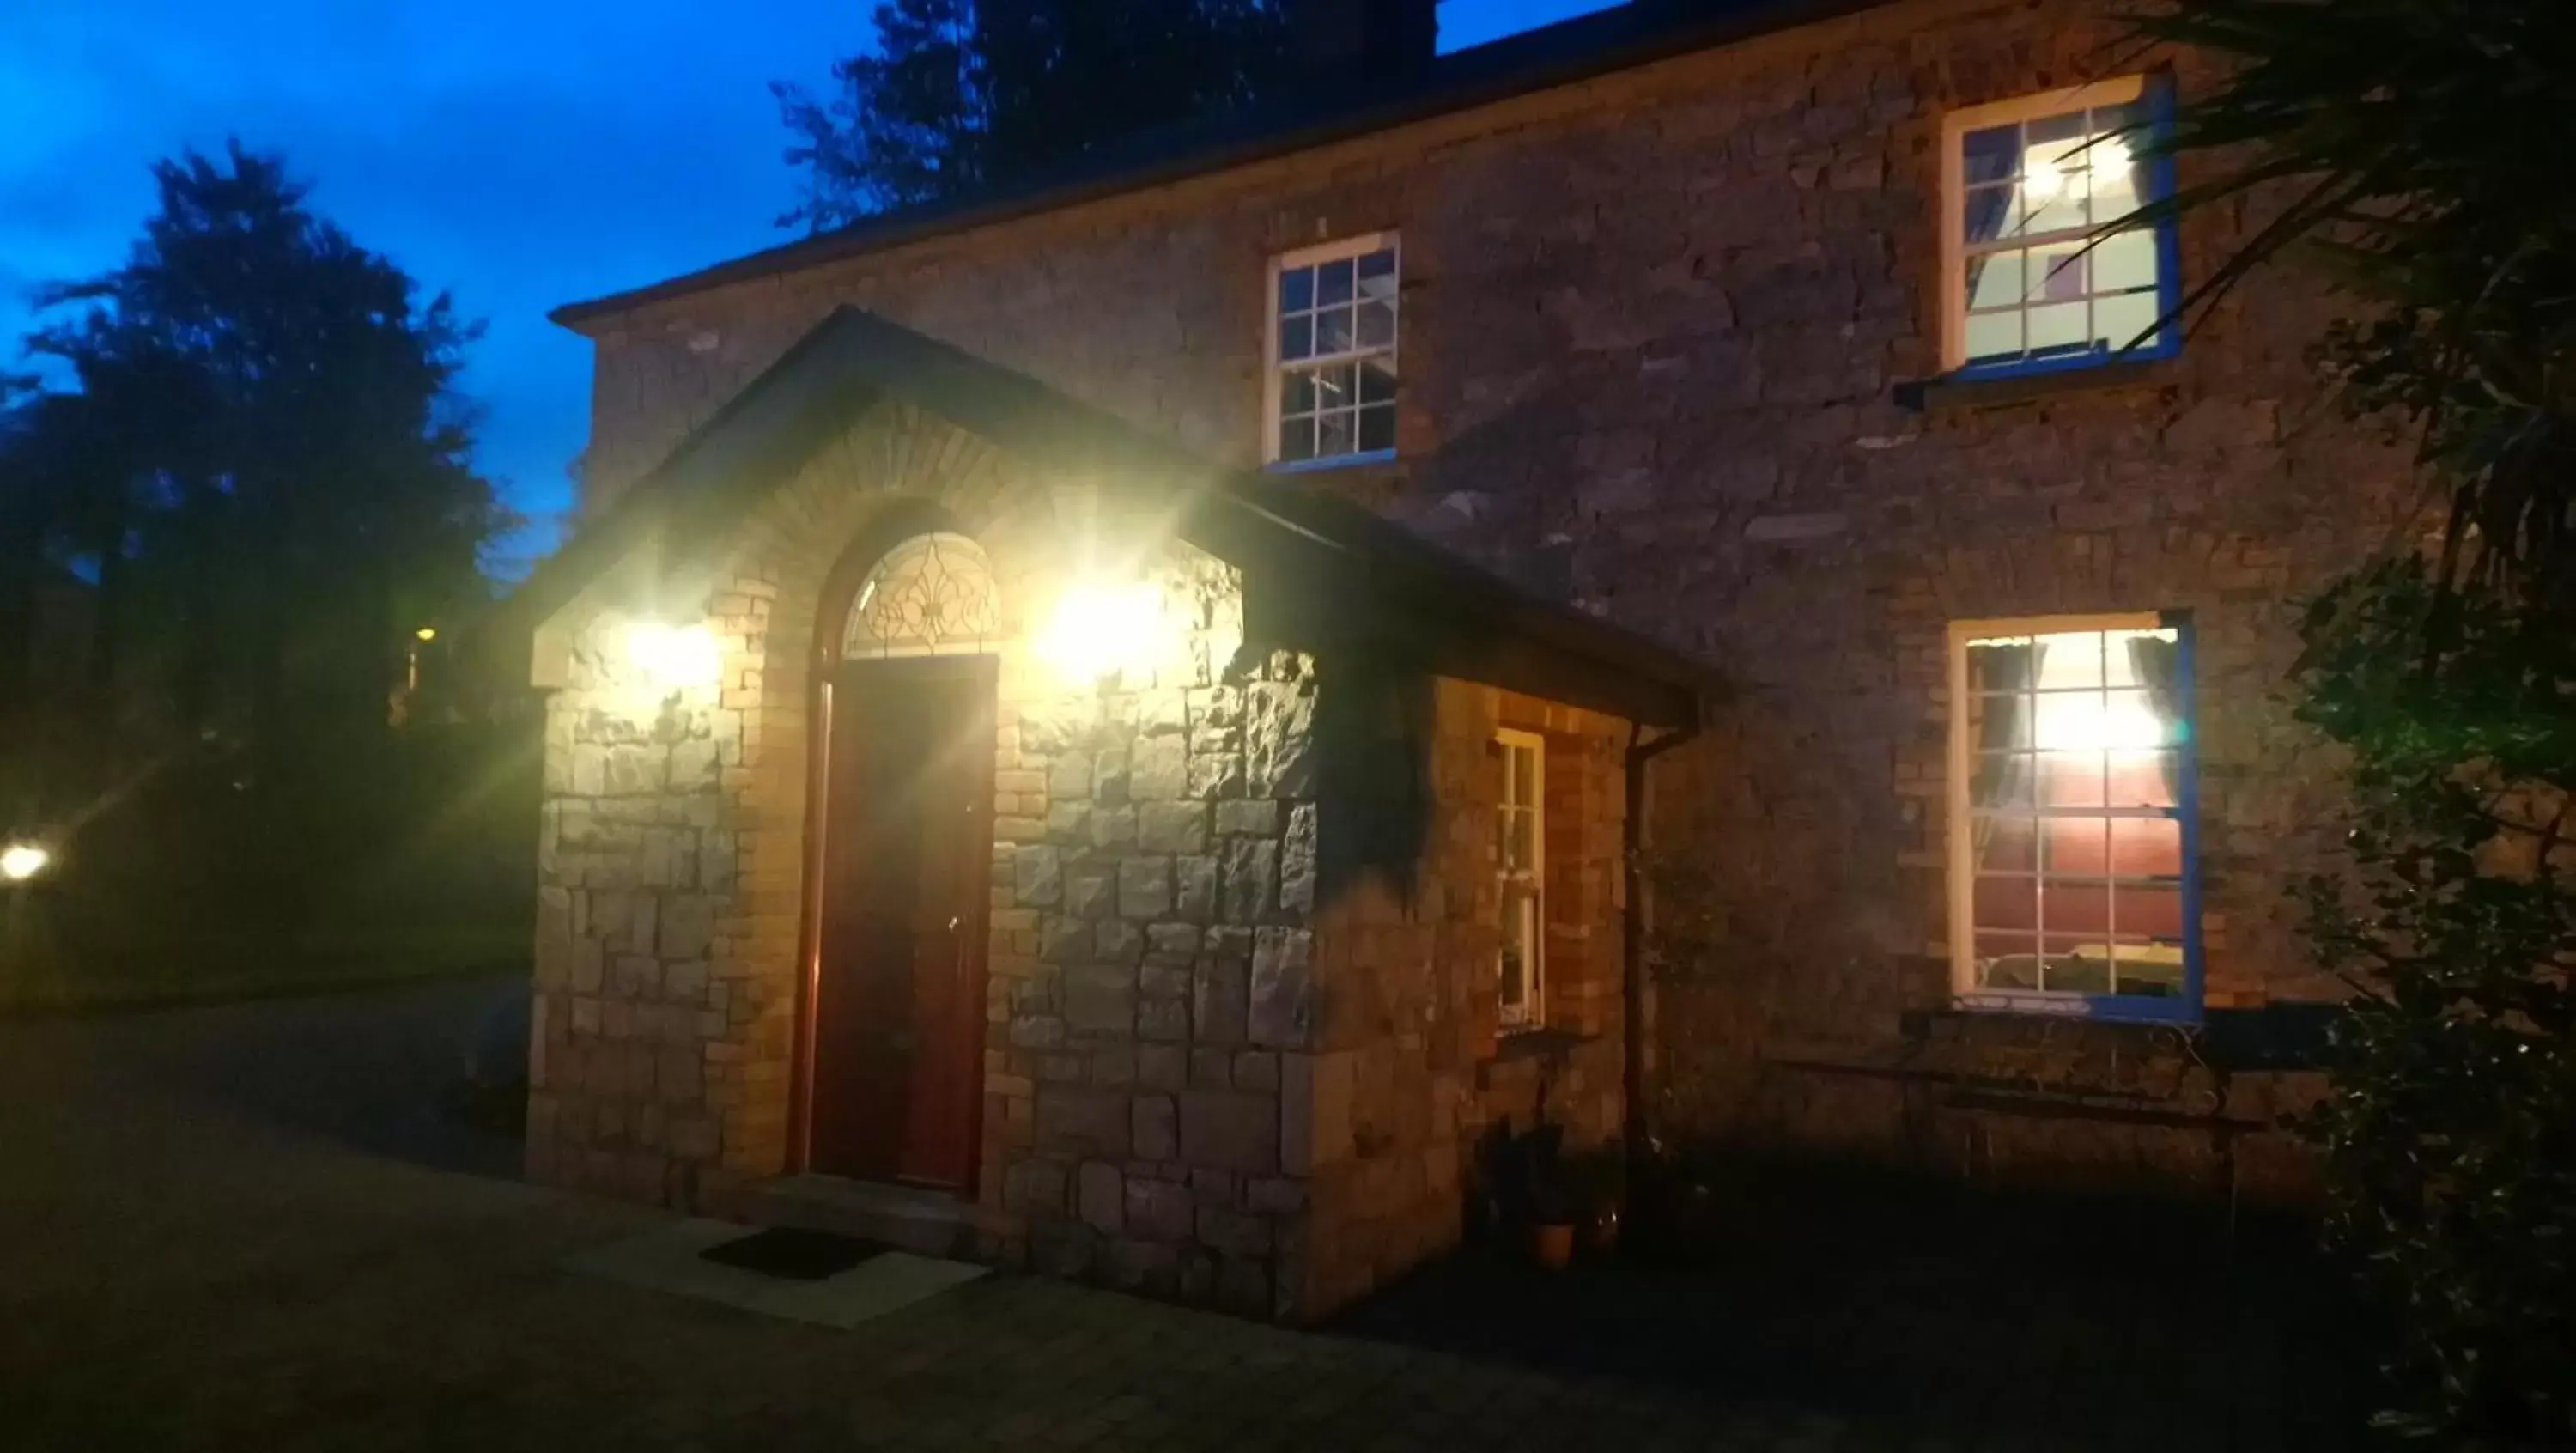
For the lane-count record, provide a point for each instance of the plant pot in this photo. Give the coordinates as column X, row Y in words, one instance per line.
column 1552, row 1244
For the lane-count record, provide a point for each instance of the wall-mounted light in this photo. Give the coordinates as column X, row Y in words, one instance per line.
column 425, row 633
column 671, row 657
column 22, row 860
column 1098, row 630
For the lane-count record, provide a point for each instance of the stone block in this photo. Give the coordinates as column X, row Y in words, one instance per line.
column 1216, row 775
column 1172, row 827
column 1115, row 827
column 1281, row 1004
column 1157, row 1128
column 1068, row 823
column 1063, row 939
column 1162, row 1066
column 1279, row 739
column 1111, row 773
column 688, row 925
column 1036, row 1031
column 1037, row 875
column 1069, row 777
column 1117, row 941
column 1158, row 770
column 1162, row 713
column 1230, row 1130
column 1091, row 890
column 1248, row 817
column 1231, row 1232
column 1195, row 883
column 1251, row 880
column 1101, row 1196
column 1035, row 1187
column 1163, row 1020
column 1297, row 862
column 1220, row 999
column 1172, row 944
column 1080, row 1120
column 1144, row 887
column 1159, row 1210
column 1099, row 1000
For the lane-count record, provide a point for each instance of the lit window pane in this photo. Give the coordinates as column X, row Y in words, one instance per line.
column 1993, row 335
column 1296, row 337
column 2007, row 961
column 1377, row 428
column 1333, row 386
column 1376, row 325
column 1377, row 381
column 2127, row 319
column 2146, row 847
column 1296, row 393
column 1333, row 331
column 2060, row 326
column 1333, row 283
column 1333, row 433
column 1296, row 289
column 2068, row 778
column 2123, row 261
column 2148, row 910
column 2061, row 274
column 1377, row 274
column 1992, row 155
column 1995, row 281
column 1990, row 211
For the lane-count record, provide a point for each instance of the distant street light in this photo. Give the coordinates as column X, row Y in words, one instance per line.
column 22, row 861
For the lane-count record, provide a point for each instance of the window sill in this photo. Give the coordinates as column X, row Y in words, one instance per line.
column 2097, row 1009
column 1534, row 1042
column 1338, row 461
column 1991, row 390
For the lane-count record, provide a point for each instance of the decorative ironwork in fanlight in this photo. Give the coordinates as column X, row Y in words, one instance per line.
column 932, row 595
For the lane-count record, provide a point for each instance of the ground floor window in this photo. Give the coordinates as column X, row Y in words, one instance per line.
column 2073, row 876
column 1520, row 850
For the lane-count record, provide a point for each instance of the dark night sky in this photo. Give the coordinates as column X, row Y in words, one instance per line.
column 518, row 153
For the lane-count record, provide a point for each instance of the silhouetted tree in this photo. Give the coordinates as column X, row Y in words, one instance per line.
column 962, row 92
column 264, row 441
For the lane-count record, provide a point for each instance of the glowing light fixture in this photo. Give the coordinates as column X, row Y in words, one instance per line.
column 1099, row 630
column 671, row 657
column 22, row 861
column 2040, row 179
column 426, row 633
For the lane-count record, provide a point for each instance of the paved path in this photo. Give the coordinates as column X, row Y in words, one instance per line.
column 248, row 1227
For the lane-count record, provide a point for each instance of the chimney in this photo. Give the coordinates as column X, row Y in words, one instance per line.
column 1362, row 40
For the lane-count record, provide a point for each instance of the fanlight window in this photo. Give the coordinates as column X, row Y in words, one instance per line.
column 932, row 595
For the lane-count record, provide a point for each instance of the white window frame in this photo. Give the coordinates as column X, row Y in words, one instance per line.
column 1955, row 127
column 1531, row 1013
column 1960, row 847
column 1273, row 367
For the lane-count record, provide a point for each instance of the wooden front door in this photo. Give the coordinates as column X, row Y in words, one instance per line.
column 898, row 1009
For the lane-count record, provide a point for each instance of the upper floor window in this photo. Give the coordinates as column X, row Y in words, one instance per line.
column 1520, row 858
column 2033, row 277
column 1332, row 376
column 2074, row 882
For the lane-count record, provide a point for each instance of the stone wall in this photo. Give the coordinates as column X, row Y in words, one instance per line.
column 1654, row 327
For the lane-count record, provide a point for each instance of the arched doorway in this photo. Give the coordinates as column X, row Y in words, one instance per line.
column 896, row 1002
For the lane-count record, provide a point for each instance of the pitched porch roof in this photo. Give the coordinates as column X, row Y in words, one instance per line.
column 1319, row 572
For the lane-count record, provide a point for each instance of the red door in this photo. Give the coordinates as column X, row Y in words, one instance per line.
column 899, row 988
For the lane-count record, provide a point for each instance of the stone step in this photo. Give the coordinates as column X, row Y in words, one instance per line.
column 909, row 1218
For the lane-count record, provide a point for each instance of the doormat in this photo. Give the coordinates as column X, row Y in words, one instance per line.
column 792, row 1253
column 697, row 1258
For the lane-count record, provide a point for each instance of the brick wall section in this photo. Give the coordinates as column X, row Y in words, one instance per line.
column 1653, row 323
column 1411, row 1071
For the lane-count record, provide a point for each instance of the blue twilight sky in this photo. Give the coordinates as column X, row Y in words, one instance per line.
column 517, row 153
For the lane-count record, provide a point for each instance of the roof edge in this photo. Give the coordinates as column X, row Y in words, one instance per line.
column 1624, row 37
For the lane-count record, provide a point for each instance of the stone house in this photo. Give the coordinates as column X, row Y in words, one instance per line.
column 1127, row 724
